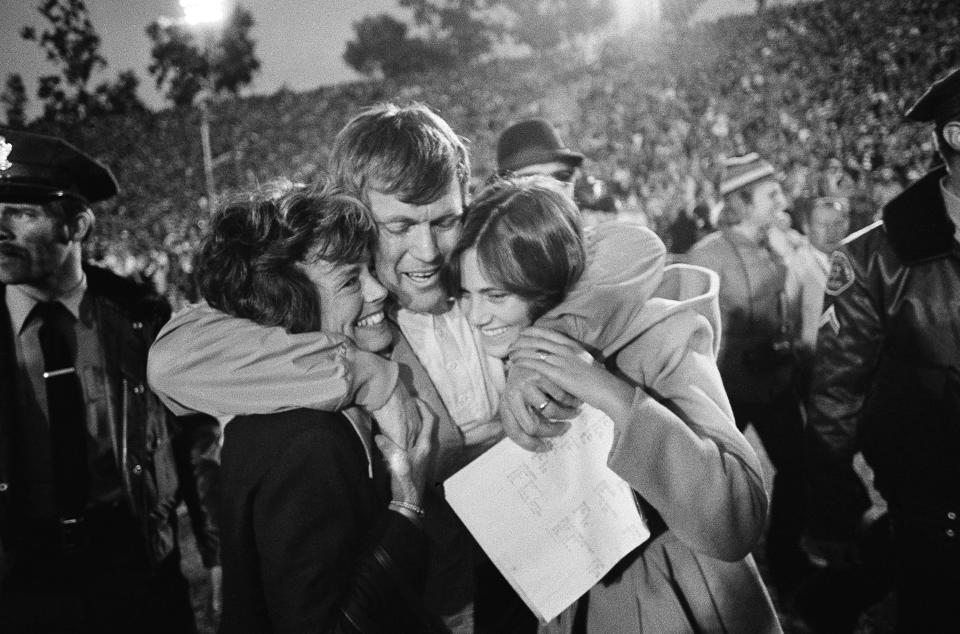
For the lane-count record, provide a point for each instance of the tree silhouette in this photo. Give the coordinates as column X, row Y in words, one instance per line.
column 551, row 24
column 382, row 47
column 14, row 99
column 72, row 43
column 449, row 33
column 184, row 66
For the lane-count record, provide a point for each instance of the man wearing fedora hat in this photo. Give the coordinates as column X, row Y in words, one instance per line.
column 92, row 470
column 533, row 146
column 887, row 383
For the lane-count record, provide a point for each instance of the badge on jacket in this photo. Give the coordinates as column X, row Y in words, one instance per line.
column 829, row 318
column 841, row 275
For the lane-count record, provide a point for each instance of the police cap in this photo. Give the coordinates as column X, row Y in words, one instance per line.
column 35, row 168
column 941, row 101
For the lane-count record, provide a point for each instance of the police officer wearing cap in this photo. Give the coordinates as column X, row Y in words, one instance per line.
column 92, row 467
column 887, row 383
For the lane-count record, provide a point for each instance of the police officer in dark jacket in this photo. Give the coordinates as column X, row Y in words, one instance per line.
column 887, row 383
column 92, row 467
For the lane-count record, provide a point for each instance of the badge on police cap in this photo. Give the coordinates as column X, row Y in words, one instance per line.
column 36, row 168
column 841, row 275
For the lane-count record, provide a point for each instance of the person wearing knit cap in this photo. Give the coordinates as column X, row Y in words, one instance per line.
column 756, row 357
column 886, row 382
column 89, row 479
column 533, row 146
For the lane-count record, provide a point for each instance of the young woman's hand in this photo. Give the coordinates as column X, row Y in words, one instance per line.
column 532, row 408
column 572, row 369
column 409, row 468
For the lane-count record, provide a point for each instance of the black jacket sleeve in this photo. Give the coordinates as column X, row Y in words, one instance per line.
column 848, row 347
column 197, row 451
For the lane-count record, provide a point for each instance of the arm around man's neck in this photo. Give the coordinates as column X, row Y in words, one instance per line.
column 204, row 360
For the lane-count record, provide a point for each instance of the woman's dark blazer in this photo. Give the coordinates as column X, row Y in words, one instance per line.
column 308, row 542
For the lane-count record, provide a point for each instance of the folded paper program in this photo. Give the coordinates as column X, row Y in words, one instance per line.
column 554, row 522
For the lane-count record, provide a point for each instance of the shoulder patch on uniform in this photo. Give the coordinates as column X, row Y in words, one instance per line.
column 829, row 318
column 841, row 275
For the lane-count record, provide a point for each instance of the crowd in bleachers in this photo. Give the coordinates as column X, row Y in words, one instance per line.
column 818, row 87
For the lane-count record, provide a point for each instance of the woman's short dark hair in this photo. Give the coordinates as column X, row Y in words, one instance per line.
column 247, row 264
column 529, row 239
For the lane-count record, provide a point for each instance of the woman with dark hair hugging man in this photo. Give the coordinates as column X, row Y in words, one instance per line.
column 320, row 522
column 523, row 257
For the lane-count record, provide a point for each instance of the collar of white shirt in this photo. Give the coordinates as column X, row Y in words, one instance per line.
column 21, row 300
column 469, row 382
column 952, row 203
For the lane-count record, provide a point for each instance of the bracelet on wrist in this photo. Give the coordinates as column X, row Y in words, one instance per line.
column 410, row 506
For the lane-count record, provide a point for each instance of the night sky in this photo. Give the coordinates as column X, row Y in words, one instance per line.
column 299, row 42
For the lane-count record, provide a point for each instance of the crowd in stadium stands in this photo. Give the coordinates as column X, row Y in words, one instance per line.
column 817, row 87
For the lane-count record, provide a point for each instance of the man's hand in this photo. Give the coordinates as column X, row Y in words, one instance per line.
column 529, row 402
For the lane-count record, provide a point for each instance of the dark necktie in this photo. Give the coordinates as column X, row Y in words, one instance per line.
column 65, row 407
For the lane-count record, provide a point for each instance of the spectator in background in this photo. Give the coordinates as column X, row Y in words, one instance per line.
column 825, row 222
column 94, row 467
column 886, row 187
column 835, row 181
column 755, row 359
column 533, row 146
column 692, row 221
column 683, row 231
column 887, row 382
column 595, row 196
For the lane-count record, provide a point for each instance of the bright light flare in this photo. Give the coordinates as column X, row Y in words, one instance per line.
column 633, row 11
column 203, row 12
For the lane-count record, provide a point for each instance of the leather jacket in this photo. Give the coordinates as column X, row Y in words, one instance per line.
column 887, row 374
column 161, row 460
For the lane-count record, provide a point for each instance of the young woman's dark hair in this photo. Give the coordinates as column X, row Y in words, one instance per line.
column 247, row 262
column 529, row 240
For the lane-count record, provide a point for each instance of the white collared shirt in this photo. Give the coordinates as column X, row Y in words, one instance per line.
column 952, row 202
column 20, row 301
column 468, row 381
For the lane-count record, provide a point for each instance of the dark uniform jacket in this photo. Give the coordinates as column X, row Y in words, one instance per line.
column 161, row 460
column 887, row 375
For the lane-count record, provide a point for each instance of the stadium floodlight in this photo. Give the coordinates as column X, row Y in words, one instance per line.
column 206, row 16
column 202, row 12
